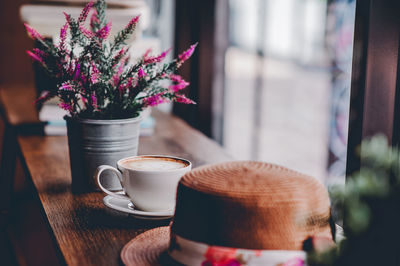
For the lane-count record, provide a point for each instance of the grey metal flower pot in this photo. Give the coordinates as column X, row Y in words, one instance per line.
column 96, row 142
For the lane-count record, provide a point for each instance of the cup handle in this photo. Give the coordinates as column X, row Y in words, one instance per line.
column 102, row 168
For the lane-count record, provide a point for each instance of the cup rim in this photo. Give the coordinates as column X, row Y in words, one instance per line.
column 189, row 163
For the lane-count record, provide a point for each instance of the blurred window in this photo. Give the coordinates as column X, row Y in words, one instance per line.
column 287, row 83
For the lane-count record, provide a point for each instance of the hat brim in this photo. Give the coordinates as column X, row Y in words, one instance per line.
column 151, row 248
column 148, row 248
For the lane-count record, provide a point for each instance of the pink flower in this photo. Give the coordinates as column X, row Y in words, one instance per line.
column 126, row 86
column 155, row 59
column 175, row 78
column 103, row 32
column 95, row 73
column 45, row 95
column 182, row 99
column 66, row 87
column 82, row 79
column 77, row 73
column 115, row 80
column 132, row 23
column 155, row 100
column 94, row 101
column 93, row 19
column 179, row 83
column 121, row 67
column 129, row 83
column 141, row 73
column 35, row 56
column 179, row 86
column 187, row 54
column 32, row 32
column 88, row 34
column 116, row 77
column 67, row 17
column 85, row 12
column 119, row 55
column 66, row 106
column 63, row 37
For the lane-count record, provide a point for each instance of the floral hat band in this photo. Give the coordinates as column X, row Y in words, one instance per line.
column 188, row 252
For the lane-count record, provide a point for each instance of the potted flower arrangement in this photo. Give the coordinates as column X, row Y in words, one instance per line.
column 104, row 92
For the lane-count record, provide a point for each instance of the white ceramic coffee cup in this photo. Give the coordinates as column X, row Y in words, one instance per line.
column 148, row 190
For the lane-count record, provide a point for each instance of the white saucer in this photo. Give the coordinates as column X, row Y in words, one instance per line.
column 127, row 207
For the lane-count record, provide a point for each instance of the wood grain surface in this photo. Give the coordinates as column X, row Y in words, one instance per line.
column 85, row 231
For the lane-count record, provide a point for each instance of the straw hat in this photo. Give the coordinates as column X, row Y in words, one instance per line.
column 240, row 212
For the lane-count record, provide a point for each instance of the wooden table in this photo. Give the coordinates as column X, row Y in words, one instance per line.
column 82, row 229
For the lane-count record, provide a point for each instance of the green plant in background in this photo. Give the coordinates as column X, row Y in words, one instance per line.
column 370, row 207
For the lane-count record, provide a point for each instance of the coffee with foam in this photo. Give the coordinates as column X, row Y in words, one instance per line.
column 150, row 163
column 148, row 181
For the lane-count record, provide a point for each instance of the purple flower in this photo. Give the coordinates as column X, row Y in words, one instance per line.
column 182, row 99
column 179, row 86
column 103, row 32
column 85, row 12
column 66, row 87
column 63, row 37
column 95, row 73
column 129, row 83
column 94, row 19
column 35, row 56
column 115, row 80
column 155, row 59
column 76, row 76
column 32, row 32
column 121, row 67
column 67, row 17
column 126, row 86
column 45, row 95
column 175, row 78
column 94, row 101
column 39, row 53
column 116, row 77
column 88, row 34
column 187, row 54
column 132, row 23
column 155, row 100
column 66, row 106
column 82, row 79
column 81, row 72
column 179, row 83
column 141, row 73
column 119, row 55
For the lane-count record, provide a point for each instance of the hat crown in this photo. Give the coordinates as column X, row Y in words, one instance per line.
column 251, row 205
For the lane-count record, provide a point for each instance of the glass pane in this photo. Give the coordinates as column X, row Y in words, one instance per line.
column 288, row 70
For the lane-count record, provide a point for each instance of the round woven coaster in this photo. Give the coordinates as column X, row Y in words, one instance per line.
column 147, row 248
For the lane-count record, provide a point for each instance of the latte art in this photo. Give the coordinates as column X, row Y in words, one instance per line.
column 153, row 164
column 149, row 181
